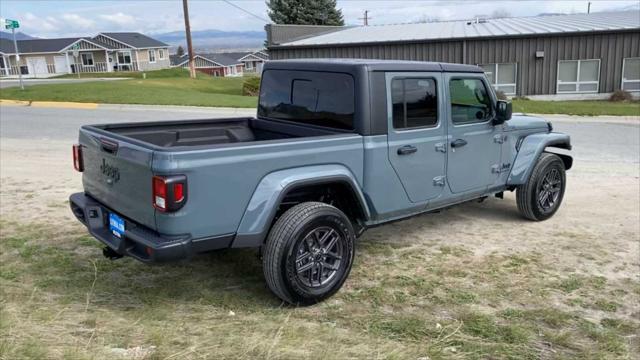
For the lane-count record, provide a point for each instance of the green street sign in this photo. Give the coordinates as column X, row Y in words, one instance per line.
column 11, row 24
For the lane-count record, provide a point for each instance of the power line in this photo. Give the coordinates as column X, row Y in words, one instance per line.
column 246, row 11
column 365, row 18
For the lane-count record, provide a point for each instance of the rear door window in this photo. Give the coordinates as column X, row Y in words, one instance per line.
column 316, row 98
column 415, row 103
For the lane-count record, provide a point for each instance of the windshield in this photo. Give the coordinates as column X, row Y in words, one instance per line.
column 308, row 97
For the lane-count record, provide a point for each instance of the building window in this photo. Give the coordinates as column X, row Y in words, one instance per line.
column 161, row 54
column 631, row 74
column 152, row 56
column 124, row 57
column 415, row 103
column 87, row 59
column 248, row 65
column 502, row 76
column 578, row 76
column 470, row 101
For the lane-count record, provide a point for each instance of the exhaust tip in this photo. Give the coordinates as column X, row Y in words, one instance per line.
column 111, row 254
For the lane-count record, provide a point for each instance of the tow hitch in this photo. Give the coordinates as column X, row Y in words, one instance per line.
column 110, row 254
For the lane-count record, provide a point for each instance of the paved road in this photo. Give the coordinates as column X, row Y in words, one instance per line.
column 7, row 83
column 25, row 122
column 593, row 141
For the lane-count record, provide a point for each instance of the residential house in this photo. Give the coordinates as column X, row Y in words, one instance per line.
column 224, row 63
column 105, row 52
column 254, row 61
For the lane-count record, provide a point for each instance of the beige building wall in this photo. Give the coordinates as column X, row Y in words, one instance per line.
column 145, row 65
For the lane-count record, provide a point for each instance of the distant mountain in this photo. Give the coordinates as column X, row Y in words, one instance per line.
column 19, row 36
column 215, row 39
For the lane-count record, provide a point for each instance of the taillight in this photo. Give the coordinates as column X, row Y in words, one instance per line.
column 77, row 158
column 169, row 192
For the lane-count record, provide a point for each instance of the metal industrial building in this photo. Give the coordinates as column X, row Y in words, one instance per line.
column 576, row 56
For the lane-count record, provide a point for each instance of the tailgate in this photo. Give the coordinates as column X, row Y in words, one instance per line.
column 118, row 174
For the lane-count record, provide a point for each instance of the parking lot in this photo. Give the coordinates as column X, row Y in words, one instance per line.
column 472, row 281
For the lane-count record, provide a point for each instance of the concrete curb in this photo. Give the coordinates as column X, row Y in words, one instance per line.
column 597, row 119
column 140, row 107
column 50, row 104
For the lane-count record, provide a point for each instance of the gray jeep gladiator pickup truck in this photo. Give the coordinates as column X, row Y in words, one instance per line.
column 337, row 146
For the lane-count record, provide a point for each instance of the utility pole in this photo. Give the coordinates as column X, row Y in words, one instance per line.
column 589, row 7
column 13, row 25
column 365, row 18
column 187, row 28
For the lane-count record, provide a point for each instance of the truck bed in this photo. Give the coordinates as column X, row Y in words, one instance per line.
column 210, row 132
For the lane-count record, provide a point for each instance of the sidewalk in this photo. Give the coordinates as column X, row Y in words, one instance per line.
column 14, row 82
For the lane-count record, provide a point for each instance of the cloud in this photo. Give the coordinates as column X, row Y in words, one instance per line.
column 119, row 19
column 78, row 22
column 45, row 25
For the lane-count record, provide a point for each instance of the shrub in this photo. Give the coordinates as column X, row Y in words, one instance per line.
column 251, row 86
column 620, row 95
column 501, row 95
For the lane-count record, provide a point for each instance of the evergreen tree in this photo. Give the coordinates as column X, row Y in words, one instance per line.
column 305, row 12
column 180, row 51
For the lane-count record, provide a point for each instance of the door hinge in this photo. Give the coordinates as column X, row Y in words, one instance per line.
column 499, row 139
column 439, row 180
column 499, row 168
column 441, row 147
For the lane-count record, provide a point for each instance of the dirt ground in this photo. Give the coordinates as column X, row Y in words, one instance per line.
column 474, row 281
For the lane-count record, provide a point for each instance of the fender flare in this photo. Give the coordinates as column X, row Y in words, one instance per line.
column 530, row 149
column 258, row 216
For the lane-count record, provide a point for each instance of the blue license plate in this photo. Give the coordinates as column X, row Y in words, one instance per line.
column 116, row 225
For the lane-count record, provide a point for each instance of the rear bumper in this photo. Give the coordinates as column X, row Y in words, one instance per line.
column 139, row 241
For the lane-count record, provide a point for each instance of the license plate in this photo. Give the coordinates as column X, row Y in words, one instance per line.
column 116, row 225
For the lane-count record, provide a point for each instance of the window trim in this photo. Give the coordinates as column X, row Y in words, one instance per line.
column 160, row 54
column 495, row 76
column 149, row 52
column 93, row 62
column 482, row 79
column 438, row 112
column 622, row 80
column 124, row 54
column 577, row 83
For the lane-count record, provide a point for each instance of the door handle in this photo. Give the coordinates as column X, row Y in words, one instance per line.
column 458, row 143
column 407, row 149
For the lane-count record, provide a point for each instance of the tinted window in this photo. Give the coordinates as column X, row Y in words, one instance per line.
column 470, row 101
column 415, row 103
column 317, row 98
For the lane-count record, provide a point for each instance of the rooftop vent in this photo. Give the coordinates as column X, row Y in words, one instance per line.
column 477, row 20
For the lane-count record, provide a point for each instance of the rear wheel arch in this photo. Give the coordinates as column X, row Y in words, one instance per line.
column 338, row 192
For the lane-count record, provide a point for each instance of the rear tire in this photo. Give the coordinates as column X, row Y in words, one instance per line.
column 309, row 253
column 540, row 197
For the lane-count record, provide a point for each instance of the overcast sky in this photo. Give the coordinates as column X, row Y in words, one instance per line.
column 73, row 18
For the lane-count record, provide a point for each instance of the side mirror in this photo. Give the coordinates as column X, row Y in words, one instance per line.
column 503, row 112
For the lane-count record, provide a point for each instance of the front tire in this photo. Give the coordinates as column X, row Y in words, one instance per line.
column 309, row 253
column 540, row 197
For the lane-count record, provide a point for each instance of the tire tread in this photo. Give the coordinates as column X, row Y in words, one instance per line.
column 526, row 191
column 277, row 241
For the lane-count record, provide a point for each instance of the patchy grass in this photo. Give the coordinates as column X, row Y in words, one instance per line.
column 164, row 87
column 62, row 299
column 578, row 107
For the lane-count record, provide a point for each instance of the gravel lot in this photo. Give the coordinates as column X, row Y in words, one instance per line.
column 584, row 262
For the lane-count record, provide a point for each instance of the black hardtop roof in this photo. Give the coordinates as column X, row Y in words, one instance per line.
column 351, row 65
